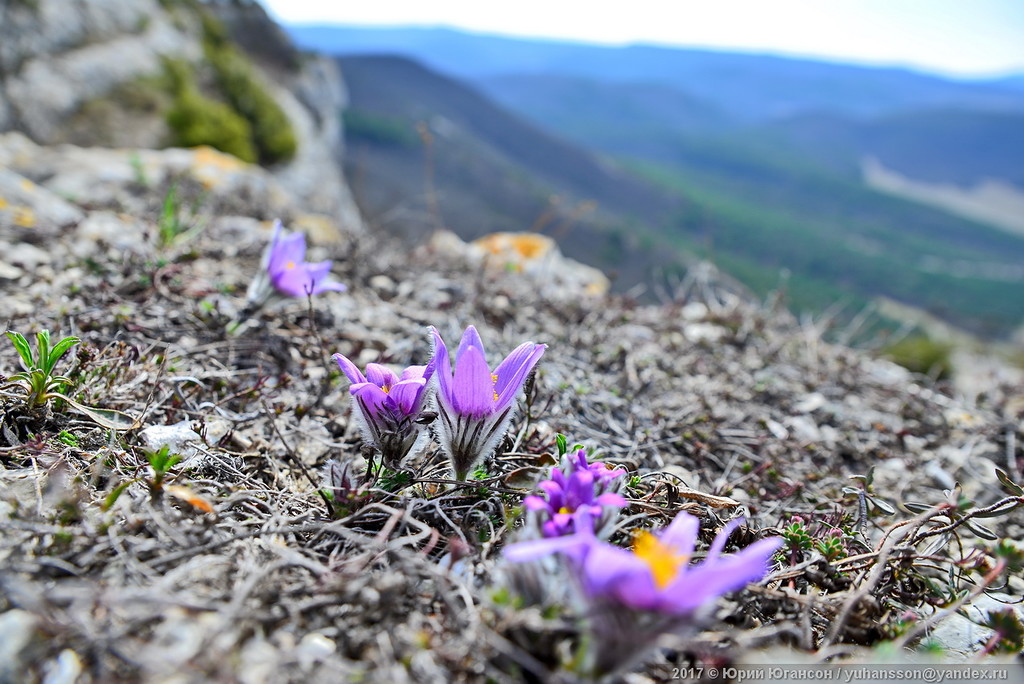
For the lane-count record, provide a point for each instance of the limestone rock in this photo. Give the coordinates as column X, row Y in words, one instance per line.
column 28, row 208
column 535, row 256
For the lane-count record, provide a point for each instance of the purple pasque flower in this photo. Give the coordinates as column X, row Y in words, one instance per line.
column 474, row 403
column 570, row 495
column 655, row 574
column 388, row 406
column 606, row 477
column 634, row 596
column 284, row 270
column 290, row 274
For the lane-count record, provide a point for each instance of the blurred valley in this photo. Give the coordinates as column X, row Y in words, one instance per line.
column 838, row 183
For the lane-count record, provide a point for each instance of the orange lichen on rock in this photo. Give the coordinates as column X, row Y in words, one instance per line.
column 211, row 167
column 514, row 250
column 24, row 217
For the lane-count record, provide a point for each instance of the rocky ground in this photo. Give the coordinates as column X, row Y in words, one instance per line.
column 238, row 571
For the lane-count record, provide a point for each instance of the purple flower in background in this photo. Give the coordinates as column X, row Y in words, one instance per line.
column 285, row 271
column 633, row 596
column 475, row 404
column 290, row 274
column 568, row 496
column 606, row 477
column 388, row 406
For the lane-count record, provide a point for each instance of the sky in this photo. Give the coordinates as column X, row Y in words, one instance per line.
column 967, row 38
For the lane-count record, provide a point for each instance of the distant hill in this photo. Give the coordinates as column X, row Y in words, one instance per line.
column 490, row 170
column 941, row 145
column 749, row 87
column 632, row 119
column 680, row 169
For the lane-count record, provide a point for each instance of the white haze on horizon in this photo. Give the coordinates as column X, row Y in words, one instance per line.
column 958, row 38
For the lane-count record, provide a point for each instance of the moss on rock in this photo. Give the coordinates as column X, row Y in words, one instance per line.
column 921, row 354
column 198, row 120
column 272, row 134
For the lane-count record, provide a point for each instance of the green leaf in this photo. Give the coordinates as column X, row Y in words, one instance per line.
column 560, row 442
column 114, row 495
column 24, row 351
column 42, row 349
column 981, row 531
column 108, row 418
column 886, row 508
column 162, row 460
column 59, row 350
column 1011, row 486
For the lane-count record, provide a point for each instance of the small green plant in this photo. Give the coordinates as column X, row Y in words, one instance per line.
column 831, row 546
column 342, row 490
column 828, row 541
column 562, row 444
column 172, row 225
column 138, row 170
column 68, row 438
column 867, row 501
column 393, row 480
column 160, row 463
column 1009, row 631
column 921, row 354
column 37, row 378
column 797, row 538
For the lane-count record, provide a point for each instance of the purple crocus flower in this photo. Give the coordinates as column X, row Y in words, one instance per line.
column 634, row 596
column 606, row 477
column 655, row 575
column 568, row 496
column 388, row 406
column 284, row 270
column 290, row 274
column 474, row 403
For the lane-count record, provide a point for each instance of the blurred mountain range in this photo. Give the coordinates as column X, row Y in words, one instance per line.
column 839, row 183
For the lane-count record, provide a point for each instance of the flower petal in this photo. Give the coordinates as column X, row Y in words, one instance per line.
column 681, row 534
column 443, row 367
column 294, row 281
column 371, row 397
column 609, row 566
column 414, row 373
column 379, row 375
column 574, row 546
column 318, row 273
column 535, row 503
column 407, row 395
column 611, row 499
column 470, row 338
column 349, row 368
column 702, row 583
column 472, row 386
column 286, row 252
column 512, row 372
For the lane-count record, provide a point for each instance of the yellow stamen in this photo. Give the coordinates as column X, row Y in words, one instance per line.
column 563, row 509
column 290, row 265
column 494, row 381
column 662, row 559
